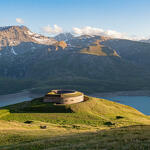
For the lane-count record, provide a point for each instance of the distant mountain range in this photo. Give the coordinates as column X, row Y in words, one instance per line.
column 87, row 63
column 145, row 41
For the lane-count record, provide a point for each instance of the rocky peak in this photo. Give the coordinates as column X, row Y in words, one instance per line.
column 64, row 37
column 14, row 35
column 9, row 28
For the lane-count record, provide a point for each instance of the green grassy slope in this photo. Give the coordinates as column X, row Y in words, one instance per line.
column 93, row 112
column 4, row 112
column 94, row 120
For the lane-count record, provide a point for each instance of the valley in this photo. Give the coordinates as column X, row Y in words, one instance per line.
column 74, row 75
column 95, row 65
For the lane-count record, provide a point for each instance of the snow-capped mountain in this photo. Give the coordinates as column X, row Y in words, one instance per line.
column 14, row 35
column 26, row 56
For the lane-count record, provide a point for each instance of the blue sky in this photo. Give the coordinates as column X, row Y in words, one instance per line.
column 130, row 17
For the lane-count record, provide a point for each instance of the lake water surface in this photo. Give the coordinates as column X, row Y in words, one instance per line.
column 141, row 103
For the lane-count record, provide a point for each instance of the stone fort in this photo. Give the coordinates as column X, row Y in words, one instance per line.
column 64, row 97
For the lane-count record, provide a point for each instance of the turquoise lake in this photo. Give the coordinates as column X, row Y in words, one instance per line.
column 141, row 103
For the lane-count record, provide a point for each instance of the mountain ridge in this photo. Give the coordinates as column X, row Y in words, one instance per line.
column 90, row 63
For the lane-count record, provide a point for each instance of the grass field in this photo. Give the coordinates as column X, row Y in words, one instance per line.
column 92, row 124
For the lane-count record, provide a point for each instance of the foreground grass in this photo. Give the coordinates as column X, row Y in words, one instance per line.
column 92, row 124
column 59, row 138
column 13, row 133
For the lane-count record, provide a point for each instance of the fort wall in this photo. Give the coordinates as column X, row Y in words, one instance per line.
column 67, row 98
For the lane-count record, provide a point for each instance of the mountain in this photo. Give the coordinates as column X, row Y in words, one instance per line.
column 14, row 35
column 88, row 63
column 145, row 41
column 133, row 51
column 64, row 37
column 19, row 39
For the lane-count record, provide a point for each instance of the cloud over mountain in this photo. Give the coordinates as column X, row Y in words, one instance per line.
column 52, row 30
column 88, row 30
column 19, row 20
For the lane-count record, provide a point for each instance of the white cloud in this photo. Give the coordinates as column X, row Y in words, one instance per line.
column 52, row 30
column 19, row 20
column 98, row 31
column 88, row 31
column 138, row 38
column 114, row 34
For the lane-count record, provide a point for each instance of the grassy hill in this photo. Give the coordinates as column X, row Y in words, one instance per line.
column 97, row 121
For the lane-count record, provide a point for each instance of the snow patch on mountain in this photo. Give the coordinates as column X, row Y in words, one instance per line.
column 39, row 38
column 33, row 47
column 30, row 33
column 43, row 40
column 13, row 51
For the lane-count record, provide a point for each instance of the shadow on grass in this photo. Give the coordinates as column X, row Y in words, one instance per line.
column 129, row 138
column 37, row 106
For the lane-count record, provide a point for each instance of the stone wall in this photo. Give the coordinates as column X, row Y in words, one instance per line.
column 64, row 100
column 72, row 100
column 52, row 99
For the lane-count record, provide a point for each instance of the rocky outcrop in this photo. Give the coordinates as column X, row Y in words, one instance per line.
column 98, row 49
column 62, row 44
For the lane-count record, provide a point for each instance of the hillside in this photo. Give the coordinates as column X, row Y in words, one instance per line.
column 95, row 120
column 88, row 63
column 99, row 50
column 133, row 51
